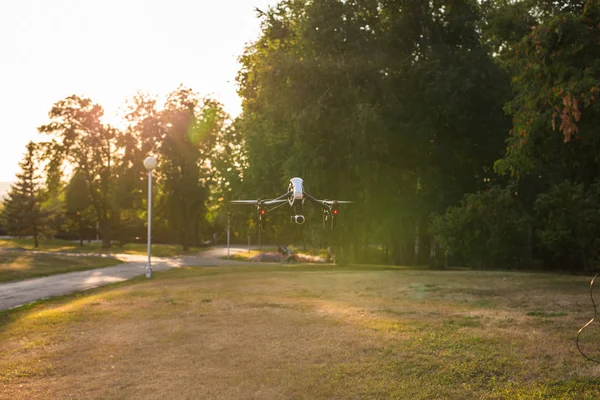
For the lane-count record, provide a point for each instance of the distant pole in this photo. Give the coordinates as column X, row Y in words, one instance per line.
column 149, row 164
column 228, row 228
column 149, row 266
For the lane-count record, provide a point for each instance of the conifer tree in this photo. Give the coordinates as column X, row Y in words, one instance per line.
column 21, row 212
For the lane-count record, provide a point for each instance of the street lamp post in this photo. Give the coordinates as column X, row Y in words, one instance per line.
column 228, row 224
column 149, row 164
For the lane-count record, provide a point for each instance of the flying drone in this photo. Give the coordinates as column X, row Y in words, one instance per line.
column 295, row 197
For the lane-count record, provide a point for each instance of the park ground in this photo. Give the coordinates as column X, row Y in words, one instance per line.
column 306, row 332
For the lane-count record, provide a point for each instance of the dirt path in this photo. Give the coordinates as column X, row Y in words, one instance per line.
column 14, row 294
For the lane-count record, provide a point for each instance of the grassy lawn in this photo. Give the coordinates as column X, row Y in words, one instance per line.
column 158, row 250
column 17, row 265
column 306, row 332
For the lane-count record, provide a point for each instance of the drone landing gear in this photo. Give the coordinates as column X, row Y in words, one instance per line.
column 262, row 223
column 328, row 220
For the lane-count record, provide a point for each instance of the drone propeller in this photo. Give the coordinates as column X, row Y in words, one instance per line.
column 274, row 201
column 337, row 202
column 257, row 202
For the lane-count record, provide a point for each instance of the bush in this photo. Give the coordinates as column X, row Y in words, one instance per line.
column 488, row 229
column 570, row 224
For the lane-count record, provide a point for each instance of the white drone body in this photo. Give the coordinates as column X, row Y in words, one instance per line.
column 296, row 190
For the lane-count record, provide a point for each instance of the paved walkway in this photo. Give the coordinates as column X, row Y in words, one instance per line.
column 14, row 294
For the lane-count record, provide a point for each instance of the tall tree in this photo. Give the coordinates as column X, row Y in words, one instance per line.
column 21, row 208
column 81, row 140
column 191, row 128
column 142, row 137
column 551, row 154
column 227, row 165
column 396, row 104
column 555, row 109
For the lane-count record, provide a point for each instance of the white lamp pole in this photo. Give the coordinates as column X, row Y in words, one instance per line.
column 228, row 215
column 149, row 164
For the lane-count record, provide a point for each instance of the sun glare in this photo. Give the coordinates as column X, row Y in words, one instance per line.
column 110, row 50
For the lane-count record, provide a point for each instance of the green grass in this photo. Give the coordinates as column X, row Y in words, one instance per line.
column 56, row 245
column 18, row 265
column 546, row 314
column 306, row 332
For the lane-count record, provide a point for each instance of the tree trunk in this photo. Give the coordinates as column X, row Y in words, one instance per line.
column 397, row 253
column 436, row 256
column 417, row 243
column 184, row 240
column 80, row 230
column 432, row 254
column 445, row 258
column 529, row 252
column 341, row 258
column 385, row 254
column 104, row 230
column 186, row 226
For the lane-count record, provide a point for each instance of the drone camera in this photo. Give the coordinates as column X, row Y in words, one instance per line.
column 298, row 219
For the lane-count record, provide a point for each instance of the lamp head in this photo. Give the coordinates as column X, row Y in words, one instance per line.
column 150, row 163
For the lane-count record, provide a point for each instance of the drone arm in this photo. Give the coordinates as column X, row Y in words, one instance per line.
column 311, row 205
column 283, row 196
column 276, row 207
column 315, row 200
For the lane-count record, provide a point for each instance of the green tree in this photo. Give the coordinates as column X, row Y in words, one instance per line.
column 505, row 22
column 191, row 127
column 77, row 202
column 570, row 217
column 21, row 210
column 227, row 165
column 396, row 105
column 81, row 140
column 555, row 111
column 487, row 229
column 550, row 49
column 143, row 137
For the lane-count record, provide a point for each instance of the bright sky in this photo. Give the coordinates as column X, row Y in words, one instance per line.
column 109, row 49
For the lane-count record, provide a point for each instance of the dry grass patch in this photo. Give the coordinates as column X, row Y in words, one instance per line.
column 282, row 332
column 17, row 265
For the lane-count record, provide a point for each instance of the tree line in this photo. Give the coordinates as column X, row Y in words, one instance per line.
column 464, row 130
column 87, row 178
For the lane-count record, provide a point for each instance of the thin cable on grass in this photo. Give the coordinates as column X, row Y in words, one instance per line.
column 590, row 321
